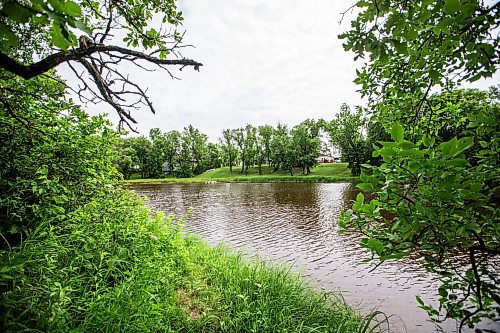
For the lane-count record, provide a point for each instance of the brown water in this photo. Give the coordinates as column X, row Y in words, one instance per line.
column 296, row 223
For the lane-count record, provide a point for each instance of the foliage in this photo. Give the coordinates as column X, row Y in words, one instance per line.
column 156, row 154
column 79, row 254
column 112, row 267
column 414, row 46
column 346, row 132
column 265, row 298
column 229, row 151
column 214, row 159
column 36, row 36
column 125, row 159
column 102, row 264
column 197, row 149
column 50, row 162
column 266, row 133
column 435, row 192
column 439, row 204
column 305, row 139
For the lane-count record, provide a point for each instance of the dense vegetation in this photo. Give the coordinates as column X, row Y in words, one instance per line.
column 77, row 252
column 188, row 154
column 436, row 191
column 277, row 149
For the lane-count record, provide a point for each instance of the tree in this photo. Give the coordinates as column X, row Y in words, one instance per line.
column 125, row 158
column 307, row 145
column 415, row 46
column 197, row 148
column 346, row 132
column 290, row 153
column 266, row 132
column 142, row 146
column 433, row 194
column 228, row 148
column 156, row 153
column 238, row 135
column 213, row 156
column 278, row 146
column 182, row 164
column 46, row 33
column 54, row 159
column 250, row 146
column 172, row 148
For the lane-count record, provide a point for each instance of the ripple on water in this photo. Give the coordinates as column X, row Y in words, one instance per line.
column 296, row 223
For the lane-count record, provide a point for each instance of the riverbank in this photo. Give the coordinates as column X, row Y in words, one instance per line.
column 323, row 173
column 227, row 293
column 114, row 266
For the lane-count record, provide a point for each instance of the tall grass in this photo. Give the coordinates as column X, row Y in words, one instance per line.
column 252, row 296
column 113, row 267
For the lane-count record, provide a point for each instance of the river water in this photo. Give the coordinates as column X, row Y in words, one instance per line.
column 295, row 223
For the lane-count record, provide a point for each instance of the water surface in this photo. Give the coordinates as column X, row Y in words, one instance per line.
column 296, row 223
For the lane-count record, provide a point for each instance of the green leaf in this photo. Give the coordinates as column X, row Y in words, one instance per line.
column 434, row 75
column 404, row 144
column 365, row 186
column 8, row 35
column 83, row 27
column 411, row 34
column 16, row 12
column 457, row 162
column 451, row 6
column 58, row 38
column 428, row 142
column 72, row 8
column 399, row 46
column 397, row 132
column 360, row 199
column 375, row 245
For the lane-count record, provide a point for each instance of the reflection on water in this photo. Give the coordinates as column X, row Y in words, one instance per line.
column 296, row 223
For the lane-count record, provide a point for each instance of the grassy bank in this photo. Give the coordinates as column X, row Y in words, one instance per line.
column 323, row 173
column 113, row 267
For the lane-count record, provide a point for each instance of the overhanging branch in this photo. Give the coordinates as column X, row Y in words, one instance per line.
column 29, row 71
column 101, row 63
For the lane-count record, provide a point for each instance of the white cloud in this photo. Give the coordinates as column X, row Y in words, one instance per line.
column 264, row 62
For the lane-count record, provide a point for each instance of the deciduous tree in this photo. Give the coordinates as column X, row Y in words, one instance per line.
column 37, row 36
column 433, row 195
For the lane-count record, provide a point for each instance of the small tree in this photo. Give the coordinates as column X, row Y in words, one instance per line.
column 307, row 145
column 346, row 132
column 229, row 150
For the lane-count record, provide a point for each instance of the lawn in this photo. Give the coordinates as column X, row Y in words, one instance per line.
column 323, row 173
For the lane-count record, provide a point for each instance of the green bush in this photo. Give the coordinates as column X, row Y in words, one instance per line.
column 109, row 265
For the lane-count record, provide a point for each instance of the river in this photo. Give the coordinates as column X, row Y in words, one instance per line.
column 295, row 223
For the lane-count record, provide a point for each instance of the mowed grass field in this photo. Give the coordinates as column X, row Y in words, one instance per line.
column 323, row 173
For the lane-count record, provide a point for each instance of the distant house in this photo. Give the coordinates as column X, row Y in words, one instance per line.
column 322, row 158
column 166, row 168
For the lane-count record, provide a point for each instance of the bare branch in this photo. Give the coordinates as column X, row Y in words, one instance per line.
column 29, row 71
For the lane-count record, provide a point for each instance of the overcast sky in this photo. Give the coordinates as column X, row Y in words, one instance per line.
column 264, row 62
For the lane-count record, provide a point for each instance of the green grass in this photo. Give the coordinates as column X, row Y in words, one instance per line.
column 230, row 294
column 113, row 266
column 323, row 173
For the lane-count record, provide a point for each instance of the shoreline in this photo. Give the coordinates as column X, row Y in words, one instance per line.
column 323, row 173
column 245, row 179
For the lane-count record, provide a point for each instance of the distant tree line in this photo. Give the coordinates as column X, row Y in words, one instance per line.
column 188, row 153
